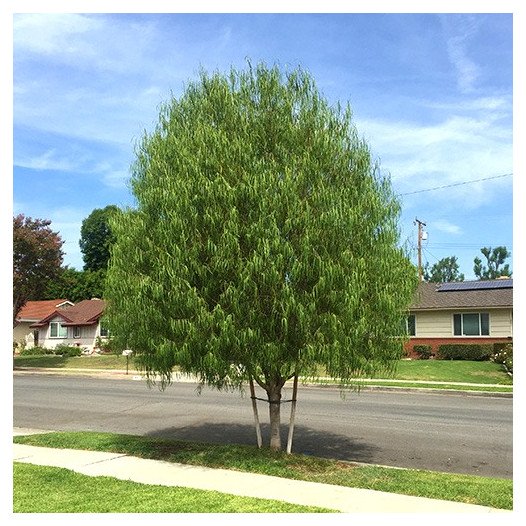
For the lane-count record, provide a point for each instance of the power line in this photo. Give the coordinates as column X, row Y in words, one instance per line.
column 433, row 255
column 457, row 184
column 439, row 245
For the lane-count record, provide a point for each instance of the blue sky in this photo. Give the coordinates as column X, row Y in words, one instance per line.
column 432, row 94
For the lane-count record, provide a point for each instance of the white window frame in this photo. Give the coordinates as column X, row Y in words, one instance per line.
column 479, row 335
column 59, row 335
column 77, row 332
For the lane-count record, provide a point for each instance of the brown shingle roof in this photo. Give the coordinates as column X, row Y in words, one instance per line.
column 429, row 297
column 86, row 312
column 36, row 310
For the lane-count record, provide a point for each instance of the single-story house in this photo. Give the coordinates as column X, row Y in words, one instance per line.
column 77, row 325
column 461, row 312
column 30, row 313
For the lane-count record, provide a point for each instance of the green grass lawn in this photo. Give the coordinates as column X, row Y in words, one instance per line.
column 43, row 489
column 453, row 371
column 410, row 370
column 104, row 361
column 497, row 493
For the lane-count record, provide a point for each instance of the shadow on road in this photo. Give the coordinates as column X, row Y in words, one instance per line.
column 306, row 441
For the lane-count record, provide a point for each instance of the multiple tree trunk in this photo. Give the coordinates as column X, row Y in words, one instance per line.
column 274, row 401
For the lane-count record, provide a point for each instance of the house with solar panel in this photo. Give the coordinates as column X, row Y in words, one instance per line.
column 461, row 312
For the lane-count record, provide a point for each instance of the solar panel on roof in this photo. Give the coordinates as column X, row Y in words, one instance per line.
column 476, row 285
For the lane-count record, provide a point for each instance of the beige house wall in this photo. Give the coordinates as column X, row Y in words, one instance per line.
column 439, row 324
column 86, row 339
column 22, row 333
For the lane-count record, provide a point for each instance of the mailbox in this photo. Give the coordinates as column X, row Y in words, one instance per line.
column 127, row 353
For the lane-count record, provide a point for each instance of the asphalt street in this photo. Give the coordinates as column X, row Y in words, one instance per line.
column 437, row 431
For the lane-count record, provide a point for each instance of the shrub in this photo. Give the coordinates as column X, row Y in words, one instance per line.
column 68, row 350
column 499, row 346
column 37, row 350
column 465, row 351
column 19, row 346
column 107, row 346
column 424, row 351
column 504, row 356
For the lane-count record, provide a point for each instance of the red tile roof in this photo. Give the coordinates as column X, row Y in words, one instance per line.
column 36, row 310
column 86, row 312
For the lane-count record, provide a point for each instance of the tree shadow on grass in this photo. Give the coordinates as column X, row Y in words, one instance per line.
column 306, row 441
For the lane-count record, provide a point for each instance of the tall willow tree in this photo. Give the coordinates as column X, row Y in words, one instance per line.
column 263, row 243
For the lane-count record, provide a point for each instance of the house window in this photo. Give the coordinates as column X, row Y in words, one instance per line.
column 104, row 331
column 57, row 331
column 410, row 325
column 471, row 324
column 76, row 332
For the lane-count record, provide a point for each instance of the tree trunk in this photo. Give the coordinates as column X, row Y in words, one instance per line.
column 274, row 398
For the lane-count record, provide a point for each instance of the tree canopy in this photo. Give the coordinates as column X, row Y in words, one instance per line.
column 37, row 256
column 96, row 238
column 495, row 265
column 264, row 242
column 447, row 269
column 76, row 285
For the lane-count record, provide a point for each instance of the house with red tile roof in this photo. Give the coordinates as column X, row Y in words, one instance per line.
column 78, row 325
column 461, row 312
column 32, row 312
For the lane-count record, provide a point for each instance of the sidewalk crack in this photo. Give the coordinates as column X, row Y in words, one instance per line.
column 105, row 460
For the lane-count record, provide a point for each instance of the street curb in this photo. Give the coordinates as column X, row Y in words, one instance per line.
column 121, row 375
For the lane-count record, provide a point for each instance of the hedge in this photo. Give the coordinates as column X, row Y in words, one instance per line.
column 465, row 351
column 37, row 350
column 68, row 350
column 424, row 351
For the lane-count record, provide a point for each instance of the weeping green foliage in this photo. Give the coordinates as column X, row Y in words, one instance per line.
column 264, row 241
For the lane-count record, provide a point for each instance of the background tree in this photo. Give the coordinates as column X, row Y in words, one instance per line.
column 495, row 265
column 96, row 238
column 264, row 242
column 76, row 285
column 447, row 269
column 37, row 257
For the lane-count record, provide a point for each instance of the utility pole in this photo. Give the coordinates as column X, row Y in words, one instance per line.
column 420, row 225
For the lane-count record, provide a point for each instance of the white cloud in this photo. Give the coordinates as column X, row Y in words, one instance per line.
column 95, row 43
column 468, row 72
column 464, row 146
column 52, row 33
column 115, row 76
column 82, row 114
column 445, row 226
column 112, row 171
column 459, row 30
column 499, row 105
column 48, row 160
column 116, row 179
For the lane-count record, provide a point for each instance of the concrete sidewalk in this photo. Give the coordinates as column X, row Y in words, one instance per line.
column 338, row 498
